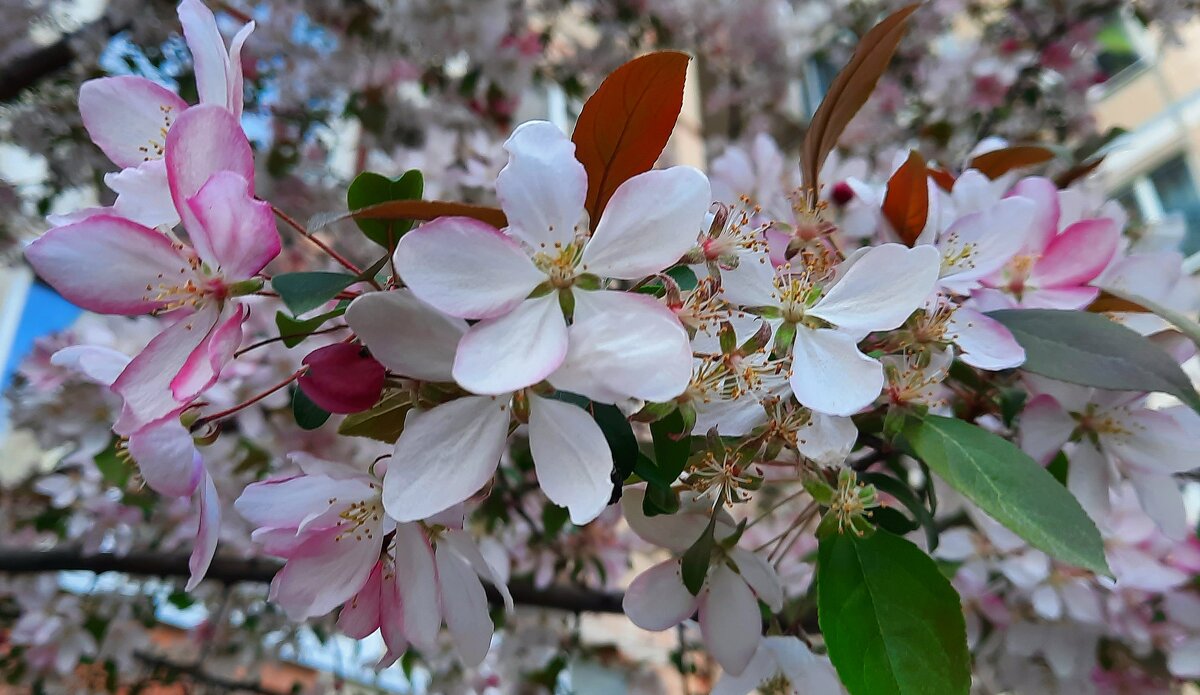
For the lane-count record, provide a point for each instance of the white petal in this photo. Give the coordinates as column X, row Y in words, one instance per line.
column 461, row 543
column 464, row 605
column 760, row 576
column 543, row 187
column 571, row 457
column 751, row 283
column 830, row 375
column 97, row 363
column 210, row 61
column 405, row 334
column 465, row 268
column 731, row 418
column 624, row 345
column 1046, row 602
column 416, row 579
column 675, row 532
column 985, row 342
column 208, row 533
column 881, row 289
column 1044, row 428
column 167, row 457
column 444, row 456
column 826, row 439
column 657, row 599
column 730, row 620
column 513, row 351
column 815, row 674
column 1157, row 442
column 1184, row 659
column 1088, row 478
column 1162, row 501
column 979, row 244
column 143, row 194
column 651, row 220
column 762, row 668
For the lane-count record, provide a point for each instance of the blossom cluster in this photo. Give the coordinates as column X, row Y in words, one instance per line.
column 735, row 370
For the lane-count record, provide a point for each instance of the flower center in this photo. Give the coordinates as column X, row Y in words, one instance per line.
column 559, row 264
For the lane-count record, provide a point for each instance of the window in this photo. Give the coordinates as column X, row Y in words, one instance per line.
column 1122, row 46
column 1169, row 189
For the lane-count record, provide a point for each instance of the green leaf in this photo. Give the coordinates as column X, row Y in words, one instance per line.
column 554, row 518
column 672, row 445
column 294, row 331
column 696, row 558
column 369, row 188
column 303, row 292
column 906, row 496
column 892, row 623
column 1089, row 349
column 1010, row 486
column 384, row 421
column 309, row 415
column 683, row 276
column 1185, row 325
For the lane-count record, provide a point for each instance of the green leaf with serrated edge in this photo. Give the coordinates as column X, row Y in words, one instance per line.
column 1010, row 486
column 384, row 421
column 294, row 331
column 694, row 564
column 369, row 188
column 303, row 292
column 892, row 622
column 907, row 497
column 672, row 445
column 1091, row 350
column 309, row 415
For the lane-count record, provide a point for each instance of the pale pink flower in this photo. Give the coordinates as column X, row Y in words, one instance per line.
column 782, row 665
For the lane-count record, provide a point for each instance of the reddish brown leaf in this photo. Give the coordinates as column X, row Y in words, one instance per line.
column 906, row 205
column 850, row 90
column 996, row 163
column 1077, row 172
column 624, row 126
column 428, row 210
column 1111, row 302
column 943, row 178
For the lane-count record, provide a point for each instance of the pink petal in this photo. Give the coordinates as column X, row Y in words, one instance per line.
column 830, row 375
column 236, row 231
column 651, row 220
column 207, row 534
column 204, row 140
column 204, row 365
column 730, row 620
column 1069, row 298
column 657, row 599
column 444, row 456
column 543, row 187
column 342, row 378
column 97, row 363
column 465, row 268
column 236, row 81
column 210, row 62
column 1044, row 428
column 985, row 343
column 407, row 335
column 167, row 457
column 1078, row 255
column 981, row 243
column 300, row 502
column 108, row 264
column 416, row 581
column 624, row 345
column 571, row 458
column 1044, row 195
column 129, row 117
column 360, row 615
column 513, row 351
column 329, row 569
column 143, row 194
column 465, row 607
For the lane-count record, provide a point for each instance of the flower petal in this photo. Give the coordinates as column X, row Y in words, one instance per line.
column 301, row 502
column 237, row 230
column 1162, row 501
column 444, row 456
column 204, row 140
column 326, row 572
column 107, row 264
column 675, row 532
column 407, row 335
column 143, row 194
column 657, row 599
column 1044, row 195
column 360, row 615
column 984, row 342
column 416, row 580
column 730, row 620
column 511, row 352
column 651, row 220
column 826, row 439
column 465, row 268
column 882, row 289
column 207, row 534
column 1088, row 479
column 1157, row 441
column 464, row 605
column 167, row 457
column 830, row 375
column 624, row 345
column 236, row 99
column 1078, row 255
column 210, row 62
column 760, row 576
column 571, row 457
column 461, row 543
column 97, row 363
column 543, row 187
column 1045, row 426
column 128, row 117
column 751, row 283
column 204, row 365
column 981, row 243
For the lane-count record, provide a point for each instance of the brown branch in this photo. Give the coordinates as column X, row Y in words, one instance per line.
column 197, row 674
column 233, row 570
